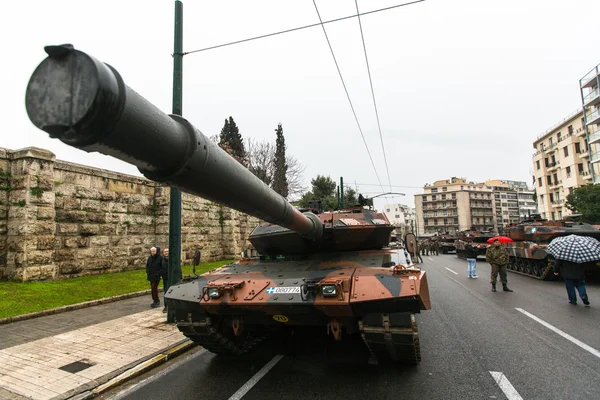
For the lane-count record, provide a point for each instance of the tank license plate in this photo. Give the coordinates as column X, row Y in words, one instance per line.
column 283, row 289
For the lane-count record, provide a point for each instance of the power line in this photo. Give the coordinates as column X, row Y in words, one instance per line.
column 398, row 186
column 373, row 94
column 347, row 95
column 299, row 28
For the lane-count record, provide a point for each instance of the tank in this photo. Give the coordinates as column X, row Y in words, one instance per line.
column 447, row 243
column 473, row 236
column 327, row 274
column 527, row 252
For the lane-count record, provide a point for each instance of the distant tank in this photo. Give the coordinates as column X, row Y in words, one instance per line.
column 447, row 243
column 473, row 236
column 328, row 274
column 527, row 254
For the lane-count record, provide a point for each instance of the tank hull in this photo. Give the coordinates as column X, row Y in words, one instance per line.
column 264, row 300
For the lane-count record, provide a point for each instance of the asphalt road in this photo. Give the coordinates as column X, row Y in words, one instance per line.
column 475, row 344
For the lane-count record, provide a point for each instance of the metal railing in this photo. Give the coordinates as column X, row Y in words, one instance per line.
column 590, row 96
column 592, row 116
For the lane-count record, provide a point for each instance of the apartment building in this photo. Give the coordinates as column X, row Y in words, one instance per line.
column 590, row 98
column 401, row 216
column 454, row 205
column 560, row 164
column 513, row 200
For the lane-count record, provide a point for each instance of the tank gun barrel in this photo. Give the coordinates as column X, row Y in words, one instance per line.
column 85, row 103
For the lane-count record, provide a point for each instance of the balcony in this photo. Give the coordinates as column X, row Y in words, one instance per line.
column 568, row 135
column 594, row 137
column 555, row 184
column 590, row 79
column 587, row 176
column 584, row 153
column 593, row 117
column 558, row 203
column 592, row 98
column 553, row 166
column 550, row 148
column 595, row 157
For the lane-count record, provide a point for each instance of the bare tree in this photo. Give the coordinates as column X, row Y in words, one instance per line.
column 261, row 156
column 295, row 171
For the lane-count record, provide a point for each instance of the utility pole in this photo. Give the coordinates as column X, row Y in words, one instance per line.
column 175, row 195
column 342, row 191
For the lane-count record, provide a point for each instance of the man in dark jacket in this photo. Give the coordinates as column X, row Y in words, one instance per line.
column 574, row 276
column 153, row 267
column 497, row 256
column 164, row 273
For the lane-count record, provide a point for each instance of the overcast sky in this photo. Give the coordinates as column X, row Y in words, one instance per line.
column 463, row 87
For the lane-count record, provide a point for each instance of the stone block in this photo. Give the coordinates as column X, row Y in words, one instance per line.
column 71, row 203
column 96, row 217
column 137, row 251
column 45, row 242
column 71, row 267
column 89, row 229
column 46, row 183
column 65, row 190
column 107, row 230
column 99, row 241
column 45, row 212
column 121, row 187
column 90, row 205
column 97, row 264
column 22, row 214
column 134, row 229
column 39, row 257
column 108, row 206
column 77, row 179
column 65, row 255
column 39, row 273
column 21, row 182
column 70, row 216
column 113, row 218
column 67, row 228
column 99, row 182
column 21, row 244
column 121, row 251
column 45, row 198
column 138, row 209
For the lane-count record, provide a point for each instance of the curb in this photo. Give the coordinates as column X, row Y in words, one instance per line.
column 76, row 306
column 137, row 370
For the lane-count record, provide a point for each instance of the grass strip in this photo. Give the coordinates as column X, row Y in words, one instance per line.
column 18, row 298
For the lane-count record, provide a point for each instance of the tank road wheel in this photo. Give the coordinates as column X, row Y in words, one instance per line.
column 511, row 263
column 391, row 338
column 520, row 265
column 528, row 267
column 536, row 268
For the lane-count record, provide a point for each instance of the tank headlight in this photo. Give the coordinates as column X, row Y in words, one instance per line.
column 213, row 292
column 329, row 290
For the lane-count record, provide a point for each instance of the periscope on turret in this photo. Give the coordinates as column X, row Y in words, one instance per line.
column 330, row 274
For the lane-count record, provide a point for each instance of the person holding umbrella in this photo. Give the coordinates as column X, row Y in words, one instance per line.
column 571, row 254
column 498, row 258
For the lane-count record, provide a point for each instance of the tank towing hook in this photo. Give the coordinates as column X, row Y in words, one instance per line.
column 335, row 328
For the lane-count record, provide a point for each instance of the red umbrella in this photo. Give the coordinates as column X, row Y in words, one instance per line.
column 502, row 239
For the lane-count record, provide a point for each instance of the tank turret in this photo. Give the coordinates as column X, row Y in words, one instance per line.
column 334, row 278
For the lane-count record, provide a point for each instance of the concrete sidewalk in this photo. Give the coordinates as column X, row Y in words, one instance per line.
column 63, row 355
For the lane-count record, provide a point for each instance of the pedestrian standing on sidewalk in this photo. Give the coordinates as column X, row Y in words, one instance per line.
column 574, row 276
column 498, row 258
column 153, row 267
column 471, row 253
column 164, row 274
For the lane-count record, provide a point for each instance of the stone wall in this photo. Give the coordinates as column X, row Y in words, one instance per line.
column 59, row 219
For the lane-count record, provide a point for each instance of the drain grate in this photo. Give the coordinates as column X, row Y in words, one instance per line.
column 75, row 367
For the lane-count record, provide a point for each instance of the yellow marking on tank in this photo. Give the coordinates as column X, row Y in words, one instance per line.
column 280, row 318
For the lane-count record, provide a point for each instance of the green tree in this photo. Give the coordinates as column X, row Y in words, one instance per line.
column 350, row 198
column 325, row 189
column 231, row 141
column 585, row 200
column 280, row 183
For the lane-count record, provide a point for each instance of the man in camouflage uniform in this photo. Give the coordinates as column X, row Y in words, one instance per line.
column 498, row 258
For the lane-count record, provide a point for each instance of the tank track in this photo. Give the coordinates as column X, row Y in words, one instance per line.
column 392, row 338
column 538, row 269
column 204, row 334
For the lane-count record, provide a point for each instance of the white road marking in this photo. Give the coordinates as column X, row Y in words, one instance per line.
column 429, row 258
column 454, row 272
column 124, row 393
column 257, row 377
column 561, row 333
column 509, row 391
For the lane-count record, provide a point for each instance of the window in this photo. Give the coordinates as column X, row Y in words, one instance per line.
column 433, row 190
column 558, row 137
column 549, row 179
column 553, row 216
column 577, row 148
column 555, row 179
column 570, row 190
column 444, row 198
column 570, row 129
column 540, row 182
column 550, row 142
column 580, row 167
column 453, row 196
column 537, row 163
column 397, row 216
column 568, row 171
column 388, row 210
column 444, row 189
column 566, row 150
column 560, row 215
column 551, row 197
column 546, row 162
column 553, row 160
column 433, row 197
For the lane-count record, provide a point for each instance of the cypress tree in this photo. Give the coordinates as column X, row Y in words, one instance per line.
column 280, row 183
